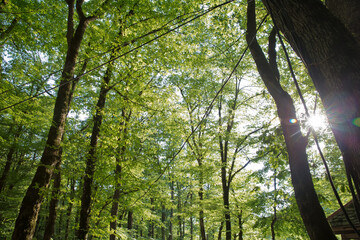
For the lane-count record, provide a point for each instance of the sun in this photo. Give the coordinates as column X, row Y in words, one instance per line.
column 317, row 122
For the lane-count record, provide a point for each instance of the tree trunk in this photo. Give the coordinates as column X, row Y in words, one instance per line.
column 241, row 228
column 130, row 220
column 171, row 211
column 348, row 13
column 69, row 209
column 201, row 198
column 50, row 225
column 332, row 56
column 163, row 220
column 220, row 230
column 310, row 209
column 151, row 222
column 30, row 206
column 9, row 160
column 91, row 157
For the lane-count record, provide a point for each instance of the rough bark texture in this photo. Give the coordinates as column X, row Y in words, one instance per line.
column 91, row 158
column 50, row 225
column 332, row 56
column 30, row 206
column 348, row 13
column 310, row 209
column 9, row 160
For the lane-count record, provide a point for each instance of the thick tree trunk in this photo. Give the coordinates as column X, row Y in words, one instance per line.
column 50, row 225
column 348, row 13
column 332, row 56
column 310, row 209
column 26, row 220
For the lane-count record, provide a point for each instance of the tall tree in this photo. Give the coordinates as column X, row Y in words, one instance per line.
column 26, row 220
column 311, row 211
column 332, row 56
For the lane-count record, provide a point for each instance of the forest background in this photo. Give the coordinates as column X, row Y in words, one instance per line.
column 160, row 124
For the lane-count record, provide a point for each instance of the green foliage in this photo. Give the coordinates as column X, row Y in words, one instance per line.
column 161, row 121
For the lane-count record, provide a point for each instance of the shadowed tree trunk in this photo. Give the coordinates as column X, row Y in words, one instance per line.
column 91, row 157
column 119, row 159
column 30, row 206
column 9, row 160
column 69, row 208
column 220, row 230
column 310, row 209
column 332, row 56
column 50, row 225
column 348, row 13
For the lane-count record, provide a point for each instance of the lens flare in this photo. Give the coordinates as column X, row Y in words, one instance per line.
column 293, row 120
column 317, row 122
column 356, row 121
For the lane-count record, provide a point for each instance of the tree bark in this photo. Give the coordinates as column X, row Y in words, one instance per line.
column 26, row 220
column 348, row 13
column 69, row 208
column 9, row 160
column 50, row 225
column 220, row 230
column 163, row 221
column 91, row 158
column 310, row 209
column 332, row 56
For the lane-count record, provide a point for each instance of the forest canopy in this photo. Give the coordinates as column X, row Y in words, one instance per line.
column 172, row 119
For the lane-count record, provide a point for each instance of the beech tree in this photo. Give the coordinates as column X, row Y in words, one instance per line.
column 330, row 52
column 151, row 133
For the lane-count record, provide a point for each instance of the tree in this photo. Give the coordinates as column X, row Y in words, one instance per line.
column 332, row 56
column 308, row 203
column 26, row 220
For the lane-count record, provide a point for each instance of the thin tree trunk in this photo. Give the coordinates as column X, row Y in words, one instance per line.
column 30, row 206
column 310, row 209
column 50, row 225
column 69, row 209
column 241, row 228
column 151, row 223
column 163, row 221
column 9, row 160
column 171, row 211
column 220, row 230
column 119, row 158
column 130, row 220
column 91, row 158
column 275, row 216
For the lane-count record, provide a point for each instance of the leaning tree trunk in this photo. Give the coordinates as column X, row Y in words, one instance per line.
column 332, row 56
column 309, row 206
column 26, row 220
